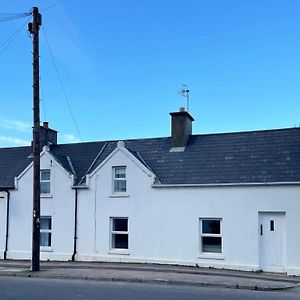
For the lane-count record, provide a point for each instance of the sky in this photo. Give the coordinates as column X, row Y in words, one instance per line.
column 111, row 70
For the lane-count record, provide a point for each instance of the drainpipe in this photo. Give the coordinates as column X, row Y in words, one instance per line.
column 75, row 226
column 7, row 224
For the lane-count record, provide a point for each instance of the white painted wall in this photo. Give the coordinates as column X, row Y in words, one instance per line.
column 164, row 222
column 60, row 206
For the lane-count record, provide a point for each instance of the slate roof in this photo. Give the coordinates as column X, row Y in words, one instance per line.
column 12, row 162
column 243, row 157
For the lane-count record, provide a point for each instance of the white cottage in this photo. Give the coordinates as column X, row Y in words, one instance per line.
column 227, row 200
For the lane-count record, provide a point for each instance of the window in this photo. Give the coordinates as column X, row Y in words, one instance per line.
column 45, row 231
column 272, row 225
column 45, row 181
column 211, row 235
column 119, row 179
column 119, row 233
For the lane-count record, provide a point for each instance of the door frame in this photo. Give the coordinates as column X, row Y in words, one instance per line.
column 283, row 268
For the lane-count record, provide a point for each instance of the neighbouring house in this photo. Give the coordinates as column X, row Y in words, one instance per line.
column 229, row 200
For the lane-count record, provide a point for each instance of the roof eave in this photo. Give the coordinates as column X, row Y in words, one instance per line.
column 191, row 185
column 6, row 188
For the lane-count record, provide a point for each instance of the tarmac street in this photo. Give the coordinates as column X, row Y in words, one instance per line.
column 152, row 274
column 37, row 288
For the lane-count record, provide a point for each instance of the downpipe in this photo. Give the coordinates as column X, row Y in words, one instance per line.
column 75, row 226
column 7, row 224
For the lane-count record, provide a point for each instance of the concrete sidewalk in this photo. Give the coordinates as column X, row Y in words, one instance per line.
column 150, row 273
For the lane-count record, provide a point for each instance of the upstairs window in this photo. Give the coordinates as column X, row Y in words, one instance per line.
column 119, row 179
column 211, row 235
column 45, row 181
column 45, row 231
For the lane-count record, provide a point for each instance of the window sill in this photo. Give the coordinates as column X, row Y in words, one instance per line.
column 119, row 251
column 46, row 249
column 46, row 196
column 219, row 256
column 119, row 195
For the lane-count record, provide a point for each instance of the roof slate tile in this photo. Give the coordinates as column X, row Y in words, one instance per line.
column 241, row 157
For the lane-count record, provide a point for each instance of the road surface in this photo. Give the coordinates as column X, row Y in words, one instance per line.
column 12, row 288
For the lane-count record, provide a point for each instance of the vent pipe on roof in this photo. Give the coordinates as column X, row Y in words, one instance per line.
column 181, row 129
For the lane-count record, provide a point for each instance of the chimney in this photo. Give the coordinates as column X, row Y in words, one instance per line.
column 181, row 129
column 48, row 136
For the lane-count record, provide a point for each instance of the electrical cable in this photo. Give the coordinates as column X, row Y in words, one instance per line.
column 43, row 99
column 7, row 43
column 4, row 17
column 61, row 85
column 53, row 5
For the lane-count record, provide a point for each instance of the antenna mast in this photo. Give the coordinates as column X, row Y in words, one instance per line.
column 184, row 92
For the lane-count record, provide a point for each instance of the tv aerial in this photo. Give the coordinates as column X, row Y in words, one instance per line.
column 184, row 92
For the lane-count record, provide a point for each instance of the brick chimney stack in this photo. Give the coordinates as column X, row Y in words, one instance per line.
column 48, row 136
column 181, row 129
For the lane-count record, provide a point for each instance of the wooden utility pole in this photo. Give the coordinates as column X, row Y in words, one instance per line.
column 33, row 28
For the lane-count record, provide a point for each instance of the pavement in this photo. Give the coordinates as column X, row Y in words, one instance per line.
column 151, row 273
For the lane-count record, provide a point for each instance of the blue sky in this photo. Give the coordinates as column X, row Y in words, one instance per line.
column 122, row 62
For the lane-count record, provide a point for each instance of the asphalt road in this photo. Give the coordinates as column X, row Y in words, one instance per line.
column 12, row 288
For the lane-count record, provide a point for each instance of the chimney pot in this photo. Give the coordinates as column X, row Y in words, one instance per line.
column 46, row 124
column 181, row 109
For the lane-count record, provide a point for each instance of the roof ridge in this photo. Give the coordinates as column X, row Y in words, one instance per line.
column 113, row 141
column 248, row 131
column 198, row 134
column 16, row 147
column 162, row 137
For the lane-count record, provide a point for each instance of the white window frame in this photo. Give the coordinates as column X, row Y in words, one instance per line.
column 118, row 179
column 49, row 231
column 118, row 250
column 214, row 255
column 45, row 181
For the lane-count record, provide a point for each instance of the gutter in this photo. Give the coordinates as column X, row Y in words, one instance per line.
column 75, row 226
column 7, row 224
column 180, row 185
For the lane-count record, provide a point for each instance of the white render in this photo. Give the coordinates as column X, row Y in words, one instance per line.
column 59, row 205
column 164, row 222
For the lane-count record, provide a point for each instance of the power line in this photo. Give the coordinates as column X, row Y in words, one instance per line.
column 62, row 86
column 54, row 5
column 7, row 43
column 5, row 17
column 43, row 99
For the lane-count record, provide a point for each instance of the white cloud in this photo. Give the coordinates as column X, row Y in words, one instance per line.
column 70, row 138
column 13, row 141
column 17, row 125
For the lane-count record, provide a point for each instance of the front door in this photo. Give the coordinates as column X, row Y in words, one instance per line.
column 272, row 241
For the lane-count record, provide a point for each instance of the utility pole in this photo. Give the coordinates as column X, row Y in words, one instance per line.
column 33, row 28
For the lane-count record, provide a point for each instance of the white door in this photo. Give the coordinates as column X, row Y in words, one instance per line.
column 272, row 241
